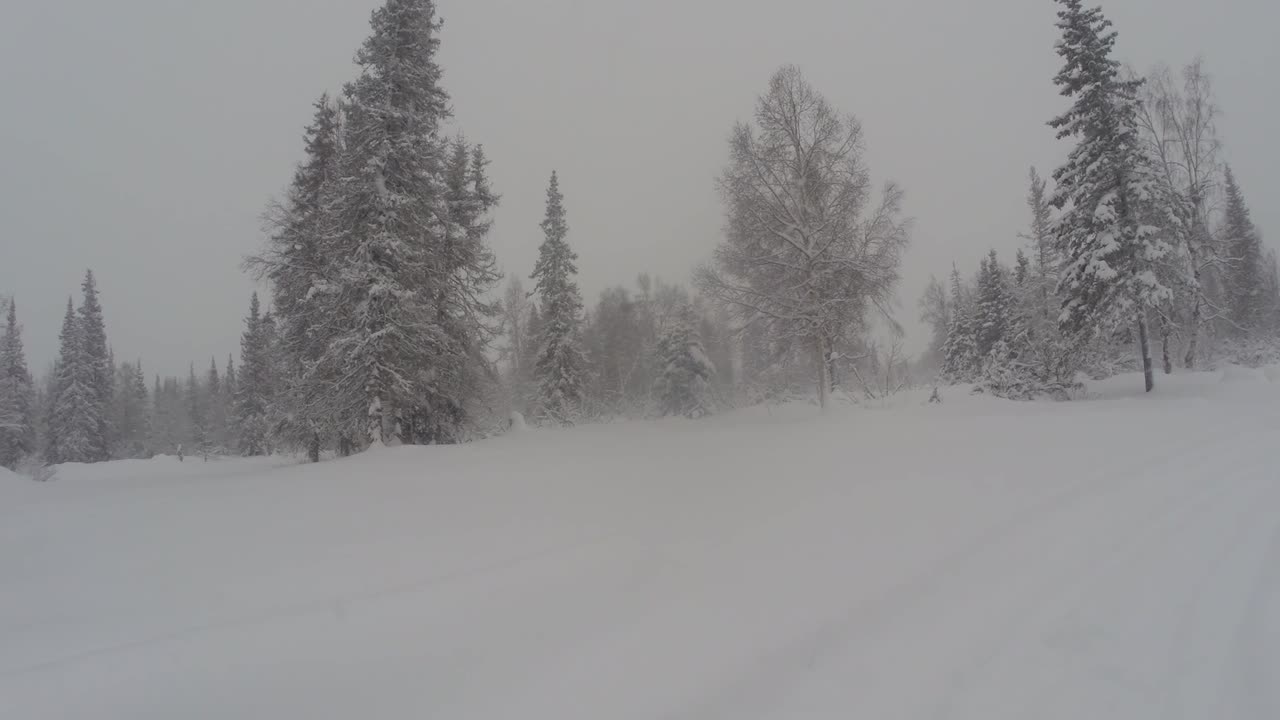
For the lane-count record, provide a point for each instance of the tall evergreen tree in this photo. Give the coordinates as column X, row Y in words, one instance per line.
column 45, row 391
column 1044, row 253
column 1108, row 251
column 960, row 361
column 1247, row 278
column 1021, row 268
column 993, row 311
column 465, row 321
column 304, row 272
column 176, row 430
column 75, row 424
column 561, row 362
column 230, row 434
column 155, row 439
column 17, row 395
column 215, row 408
column 393, row 216
column 253, row 383
column 197, row 413
column 98, row 368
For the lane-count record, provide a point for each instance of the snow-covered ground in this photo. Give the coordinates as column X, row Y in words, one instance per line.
column 1117, row 557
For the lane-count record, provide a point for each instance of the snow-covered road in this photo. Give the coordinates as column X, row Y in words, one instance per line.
column 1113, row 558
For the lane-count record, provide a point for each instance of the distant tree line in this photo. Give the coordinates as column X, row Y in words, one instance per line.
column 384, row 324
column 91, row 408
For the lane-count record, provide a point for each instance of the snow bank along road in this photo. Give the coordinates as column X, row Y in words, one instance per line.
column 1113, row 558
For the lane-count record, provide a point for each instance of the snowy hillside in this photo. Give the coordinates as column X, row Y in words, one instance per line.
column 1112, row 558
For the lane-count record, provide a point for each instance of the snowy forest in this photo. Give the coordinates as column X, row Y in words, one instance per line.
column 384, row 318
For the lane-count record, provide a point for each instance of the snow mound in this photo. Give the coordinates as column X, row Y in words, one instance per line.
column 974, row 559
column 1238, row 374
column 1272, row 372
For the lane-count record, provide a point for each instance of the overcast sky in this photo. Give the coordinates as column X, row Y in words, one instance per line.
column 143, row 138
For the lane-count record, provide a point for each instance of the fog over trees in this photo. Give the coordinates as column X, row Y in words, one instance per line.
column 386, row 318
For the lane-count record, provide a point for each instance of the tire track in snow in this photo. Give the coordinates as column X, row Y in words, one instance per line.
column 1241, row 529
column 1058, row 601
column 1258, row 640
column 764, row 680
column 334, row 604
column 1080, row 578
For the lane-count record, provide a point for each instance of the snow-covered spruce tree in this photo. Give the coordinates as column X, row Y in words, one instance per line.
column 451, row 394
column 301, row 265
column 686, row 379
column 960, row 360
column 17, row 395
column 1045, row 259
column 1032, row 359
column 800, row 258
column 993, row 310
column 142, row 432
column 155, row 438
column 1107, row 251
column 1247, row 277
column 197, row 414
column 1021, row 268
column 302, row 272
column 215, row 408
column 253, row 390
column 411, row 271
column 169, row 423
column 98, row 368
column 43, row 410
column 75, row 424
column 275, row 373
column 561, row 363
column 229, row 385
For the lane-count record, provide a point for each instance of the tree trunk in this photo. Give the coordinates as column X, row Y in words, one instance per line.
column 824, row 385
column 1165, row 332
column 1196, row 312
column 1197, row 304
column 1144, row 347
column 313, row 451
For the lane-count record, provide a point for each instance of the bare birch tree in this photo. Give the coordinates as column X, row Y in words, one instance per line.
column 1177, row 119
column 799, row 257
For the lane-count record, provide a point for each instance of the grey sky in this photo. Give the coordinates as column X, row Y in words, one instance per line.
column 143, row 137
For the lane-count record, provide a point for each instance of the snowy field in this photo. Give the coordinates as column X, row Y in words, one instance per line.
column 1117, row 557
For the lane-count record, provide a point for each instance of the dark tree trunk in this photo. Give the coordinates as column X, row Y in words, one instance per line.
column 1144, row 346
column 1196, row 313
column 1165, row 332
